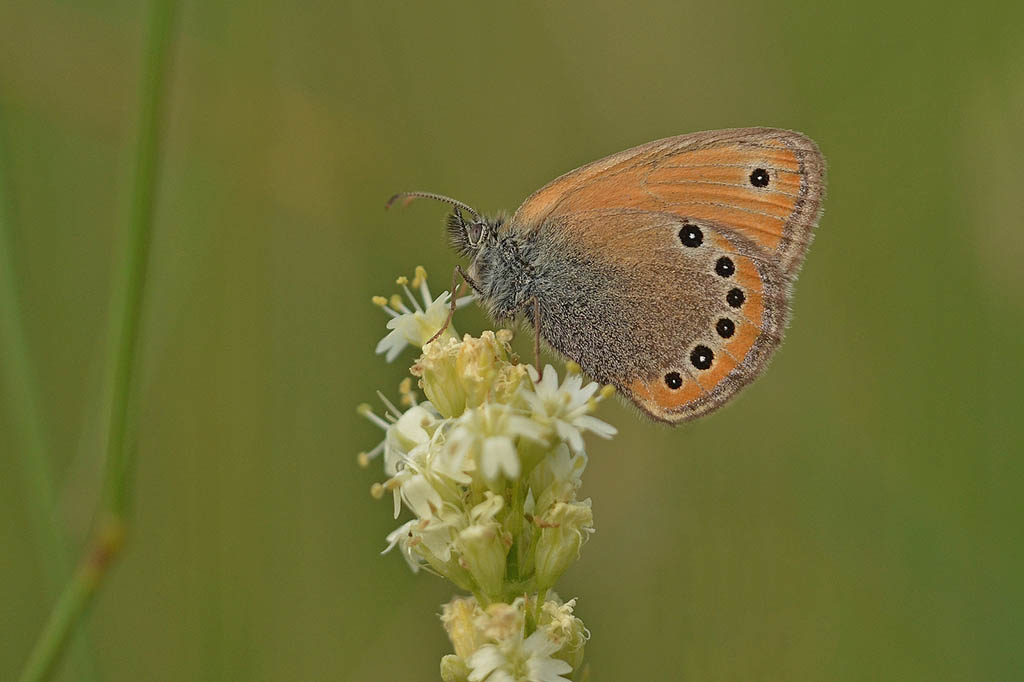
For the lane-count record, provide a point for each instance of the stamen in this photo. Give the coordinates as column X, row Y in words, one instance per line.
column 379, row 448
column 415, row 303
column 387, row 403
column 420, row 280
column 365, row 410
column 408, row 395
column 398, row 304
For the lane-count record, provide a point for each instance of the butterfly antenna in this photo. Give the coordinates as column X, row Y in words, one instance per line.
column 406, row 197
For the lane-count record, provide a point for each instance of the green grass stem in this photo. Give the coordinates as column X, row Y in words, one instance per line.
column 126, row 313
column 32, row 451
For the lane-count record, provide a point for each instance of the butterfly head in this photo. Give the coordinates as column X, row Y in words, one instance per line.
column 470, row 235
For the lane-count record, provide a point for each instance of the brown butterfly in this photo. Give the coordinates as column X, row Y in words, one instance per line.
column 665, row 270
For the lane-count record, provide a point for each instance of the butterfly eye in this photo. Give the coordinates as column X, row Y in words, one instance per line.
column 473, row 233
column 690, row 235
column 701, row 357
column 673, row 380
column 725, row 327
column 725, row 267
column 759, row 178
column 735, row 297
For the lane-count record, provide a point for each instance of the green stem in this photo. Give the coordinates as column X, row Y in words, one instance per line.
column 30, row 445
column 127, row 299
column 539, row 606
column 126, row 313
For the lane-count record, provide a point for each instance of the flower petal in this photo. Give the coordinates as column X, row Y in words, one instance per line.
column 499, row 455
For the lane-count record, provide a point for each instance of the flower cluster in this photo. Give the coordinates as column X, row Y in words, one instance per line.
column 489, row 466
column 491, row 643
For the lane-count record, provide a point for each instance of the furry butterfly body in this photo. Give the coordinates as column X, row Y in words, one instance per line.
column 665, row 270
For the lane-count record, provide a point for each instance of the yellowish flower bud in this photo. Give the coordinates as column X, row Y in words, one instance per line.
column 454, row 669
column 439, row 378
column 502, row 621
column 564, row 528
column 484, row 549
column 478, row 365
column 459, row 620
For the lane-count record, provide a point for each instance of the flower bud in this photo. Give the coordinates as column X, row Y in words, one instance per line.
column 478, row 364
column 565, row 629
column 459, row 619
column 485, row 371
column 484, row 548
column 564, row 528
column 454, row 669
column 439, row 378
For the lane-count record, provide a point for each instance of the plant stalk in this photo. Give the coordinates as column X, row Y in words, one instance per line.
column 126, row 314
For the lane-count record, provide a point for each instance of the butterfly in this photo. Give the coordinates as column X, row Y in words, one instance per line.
column 665, row 270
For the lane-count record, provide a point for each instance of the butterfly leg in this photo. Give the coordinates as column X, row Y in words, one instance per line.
column 536, row 333
column 456, row 290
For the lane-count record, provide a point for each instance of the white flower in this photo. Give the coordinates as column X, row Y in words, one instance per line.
column 565, row 408
column 427, row 540
column 415, row 326
column 402, row 537
column 412, row 428
column 557, row 478
column 422, row 472
column 428, row 476
column 518, row 660
column 488, row 434
column 439, row 533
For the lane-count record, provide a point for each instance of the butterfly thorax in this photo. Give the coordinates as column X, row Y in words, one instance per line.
column 503, row 269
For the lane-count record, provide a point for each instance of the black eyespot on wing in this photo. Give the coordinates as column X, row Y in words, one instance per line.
column 701, row 357
column 691, row 236
column 735, row 297
column 725, row 327
column 759, row 178
column 673, row 380
column 724, row 267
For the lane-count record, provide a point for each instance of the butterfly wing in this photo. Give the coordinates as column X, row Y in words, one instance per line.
column 669, row 266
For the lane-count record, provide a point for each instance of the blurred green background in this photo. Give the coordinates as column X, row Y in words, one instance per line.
column 855, row 515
